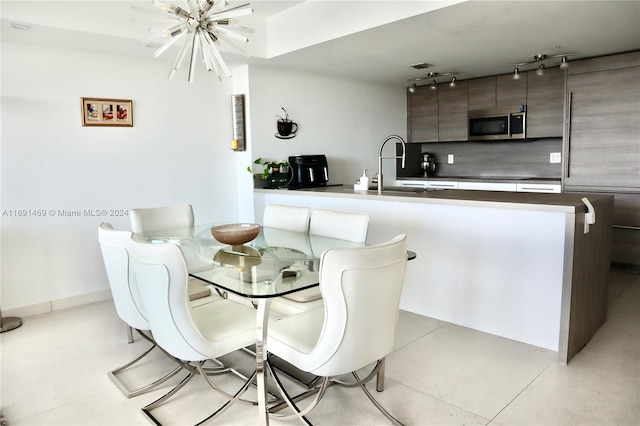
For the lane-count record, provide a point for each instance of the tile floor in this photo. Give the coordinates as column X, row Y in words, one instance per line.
column 53, row 372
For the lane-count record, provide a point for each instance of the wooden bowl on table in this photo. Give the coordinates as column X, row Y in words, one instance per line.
column 235, row 234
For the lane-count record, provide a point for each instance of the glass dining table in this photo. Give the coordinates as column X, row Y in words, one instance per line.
column 276, row 263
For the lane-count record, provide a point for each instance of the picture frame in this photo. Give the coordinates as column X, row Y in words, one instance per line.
column 107, row 112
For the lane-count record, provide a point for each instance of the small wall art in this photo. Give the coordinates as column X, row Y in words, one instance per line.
column 107, row 112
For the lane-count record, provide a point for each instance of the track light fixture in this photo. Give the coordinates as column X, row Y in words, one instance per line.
column 538, row 59
column 434, row 83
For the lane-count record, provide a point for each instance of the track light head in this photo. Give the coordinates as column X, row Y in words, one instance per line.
column 516, row 73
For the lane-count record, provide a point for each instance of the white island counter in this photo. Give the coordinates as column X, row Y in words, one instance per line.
column 517, row 265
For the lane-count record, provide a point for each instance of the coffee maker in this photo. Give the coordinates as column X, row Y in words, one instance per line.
column 308, row 171
column 427, row 164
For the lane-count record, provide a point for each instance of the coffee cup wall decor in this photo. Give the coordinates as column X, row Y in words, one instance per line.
column 286, row 127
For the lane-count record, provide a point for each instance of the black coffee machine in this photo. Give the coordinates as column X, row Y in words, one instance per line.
column 308, row 171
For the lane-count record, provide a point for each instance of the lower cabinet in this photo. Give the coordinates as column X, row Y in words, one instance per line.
column 626, row 230
column 487, row 186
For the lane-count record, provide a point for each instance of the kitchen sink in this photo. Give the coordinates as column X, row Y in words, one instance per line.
column 389, row 190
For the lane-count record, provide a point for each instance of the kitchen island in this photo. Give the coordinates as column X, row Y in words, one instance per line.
column 518, row 265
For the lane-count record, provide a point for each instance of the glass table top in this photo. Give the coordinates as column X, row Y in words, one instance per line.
column 275, row 263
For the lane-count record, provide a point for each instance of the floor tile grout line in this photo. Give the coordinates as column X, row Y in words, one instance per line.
column 522, row 390
column 420, row 337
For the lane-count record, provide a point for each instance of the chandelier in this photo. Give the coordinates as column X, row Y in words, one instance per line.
column 201, row 25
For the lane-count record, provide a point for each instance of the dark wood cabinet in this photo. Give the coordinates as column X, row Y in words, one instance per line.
column 602, row 147
column 626, row 230
column 511, row 92
column 498, row 91
column 453, row 107
column 545, row 103
column 602, row 142
column 422, row 115
column 482, row 93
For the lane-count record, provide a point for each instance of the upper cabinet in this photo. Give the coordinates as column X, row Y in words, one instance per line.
column 441, row 115
column 545, row 103
column 437, row 115
column 422, row 115
column 482, row 93
column 511, row 92
column 453, row 108
column 497, row 91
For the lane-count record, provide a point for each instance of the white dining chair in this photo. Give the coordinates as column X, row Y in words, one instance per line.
column 349, row 226
column 356, row 326
column 327, row 229
column 194, row 335
column 113, row 245
column 290, row 218
column 179, row 217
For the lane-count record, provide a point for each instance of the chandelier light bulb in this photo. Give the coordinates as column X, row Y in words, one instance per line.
column 564, row 64
column 540, row 70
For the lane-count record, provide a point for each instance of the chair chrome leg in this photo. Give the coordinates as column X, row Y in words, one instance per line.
column 300, row 414
column 231, row 398
column 376, row 403
column 130, row 393
column 129, row 334
column 147, row 408
column 380, row 376
column 199, row 369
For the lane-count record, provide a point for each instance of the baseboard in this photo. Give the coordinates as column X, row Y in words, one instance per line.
column 58, row 304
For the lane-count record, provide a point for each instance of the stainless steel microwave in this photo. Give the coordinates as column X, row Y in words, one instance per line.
column 498, row 123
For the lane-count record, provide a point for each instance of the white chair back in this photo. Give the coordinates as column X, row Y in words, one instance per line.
column 361, row 290
column 126, row 298
column 154, row 218
column 350, row 226
column 178, row 216
column 161, row 276
column 290, row 218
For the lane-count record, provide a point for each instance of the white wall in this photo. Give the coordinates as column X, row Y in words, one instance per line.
column 344, row 119
column 178, row 151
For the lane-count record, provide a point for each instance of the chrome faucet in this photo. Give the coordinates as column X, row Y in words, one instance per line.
column 380, row 158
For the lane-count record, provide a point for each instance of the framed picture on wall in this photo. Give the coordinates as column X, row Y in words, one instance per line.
column 107, row 112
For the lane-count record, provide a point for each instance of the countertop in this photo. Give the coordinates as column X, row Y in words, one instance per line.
column 564, row 202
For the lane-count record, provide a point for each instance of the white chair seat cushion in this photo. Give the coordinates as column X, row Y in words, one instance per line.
column 228, row 325
column 288, row 307
column 204, row 300
column 308, row 295
column 197, row 289
column 293, row 338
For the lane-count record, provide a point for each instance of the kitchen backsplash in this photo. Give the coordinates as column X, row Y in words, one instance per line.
column 486, row 159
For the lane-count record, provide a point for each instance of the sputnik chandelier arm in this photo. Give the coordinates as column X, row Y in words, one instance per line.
column 200, row 25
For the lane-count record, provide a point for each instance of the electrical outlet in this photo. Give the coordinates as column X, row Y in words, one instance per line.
column 555, row 157
column 450, row 159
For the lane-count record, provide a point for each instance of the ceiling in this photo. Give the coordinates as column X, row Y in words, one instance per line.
column 472, row 38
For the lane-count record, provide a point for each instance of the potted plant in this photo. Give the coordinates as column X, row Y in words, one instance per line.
column 275, row 174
